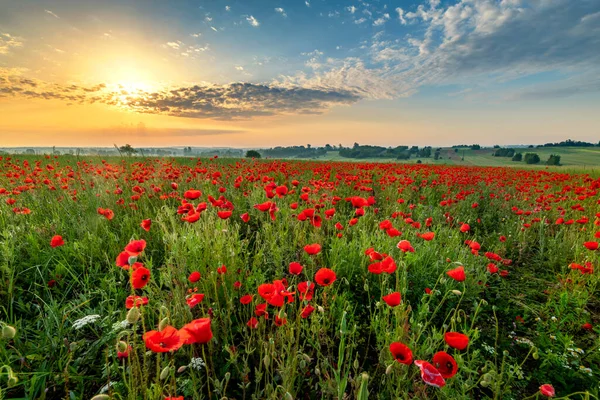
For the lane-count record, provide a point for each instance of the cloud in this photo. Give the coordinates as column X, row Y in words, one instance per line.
column 205, row 101
column 359, row 21
column 307, row 3
column 51, row 13
column 253, row 21
column 401, row 15
column 351, row 9
column 227, row 8
column 8, row 42
column 381, row 20
column 281, row 11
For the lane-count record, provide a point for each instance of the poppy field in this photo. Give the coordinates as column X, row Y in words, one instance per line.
column 155, row 278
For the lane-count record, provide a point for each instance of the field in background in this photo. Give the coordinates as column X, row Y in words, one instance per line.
column 581, row 157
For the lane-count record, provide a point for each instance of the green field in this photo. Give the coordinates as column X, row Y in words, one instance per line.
column 581, row 157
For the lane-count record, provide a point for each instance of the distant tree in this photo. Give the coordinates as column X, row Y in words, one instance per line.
column 436, row 155
column 554, row 159
column 504, row 152
column 475, row 147
column 30, row 151
column 127, row 149
column 252, row 154
column 328, row 147
column 518, row 157
column 419, row 161
column 456, row 150
column 355, row 145
column 496, row 146
column 530, row 146
column 532, row 158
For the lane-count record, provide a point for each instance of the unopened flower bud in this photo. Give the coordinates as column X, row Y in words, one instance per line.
column 457, row 292
column 388, row 370
column 133, row 315
column 181, row 369
column 101, row 397
column 164, row 373
column 121, row 346
column 8, row 332
column 164, row 322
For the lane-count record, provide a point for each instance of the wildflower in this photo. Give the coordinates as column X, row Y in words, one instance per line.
column 197, row 331
column 456, row 340
column 547, row 390
column 56, row 241
column 325, row 277
column 401, row 353
column 146, row 223
column 312, row 249
column 88, row 319
column 140, row 277
column 430, row 374
column 445, row 364
column 392, row 299
column 167, row 340
column 458, row 274
column 194, row 277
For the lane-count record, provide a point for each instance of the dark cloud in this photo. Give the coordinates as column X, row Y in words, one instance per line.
column 222, row 102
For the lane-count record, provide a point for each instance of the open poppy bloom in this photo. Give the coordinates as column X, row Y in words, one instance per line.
column 192, row 194
column 140, row 277
column 401, row 353
column 295, row 268
column 430, row 374
column 445, row 364
column 169, row 339
column 405, row 246
column 135, row 301
column 456, row 340
column 194, row 277
column 197, row 331
column 325, row 277
column 247, row 299
column 56, row 241
column 591, row 245
column 146, row 224
column 427, row 236
column 135, row 247
column 465, row 228
column 458, row 274
column 194, row 299
column 312, row 249
column 306, row 311
column 392, row 299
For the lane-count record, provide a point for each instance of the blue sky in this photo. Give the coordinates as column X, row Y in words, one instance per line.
column 215, row 72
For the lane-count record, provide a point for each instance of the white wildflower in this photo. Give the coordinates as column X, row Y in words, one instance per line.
column 197, row 363
column 88, row 319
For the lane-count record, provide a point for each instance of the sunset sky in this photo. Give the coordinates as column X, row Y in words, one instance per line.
column 257, row 73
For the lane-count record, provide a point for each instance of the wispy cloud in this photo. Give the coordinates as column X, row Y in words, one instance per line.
column 281, row 11
column 51, row 13
column 252, row 21
column 9, row 42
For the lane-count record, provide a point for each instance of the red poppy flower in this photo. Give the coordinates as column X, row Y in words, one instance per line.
column 135, row 247
column 245, row 217
column 465, row 228
column 252, row 323
column 140, row 277
column 197, row 331
column 306, row 311
column 135, row 301
column 587, row 326
column 222, row 270
column 146, row 224
column 401, row 353
column 428, row 236
column 547, row 390
column 427, row 290
column 405, row 246
column 124, row 354
column 305, row 291
column 192, row 194
column 56, row 241
column 492, row 268
column 430, row 374
column 224, row 214
column 591, row 245
column 312, row 249
column 295, row 268
column 456, row 340
column 246, row 299
column 194, row 299
column 388, row 265
column 191, row 217
column 194, row 277
column 445, row 364
column 280, row 321
column 123, row 260
column 458, row 273
column 169, row 339
column 325, row 277
column 392, row 299
column 174, row 398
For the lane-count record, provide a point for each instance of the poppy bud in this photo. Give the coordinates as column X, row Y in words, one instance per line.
column 181, row 369
column 133, row 315
column 288, row 396
column 101, row 397
column 317, row 371
column 457, row 292
column 267, row 361
column 356, row 365
column 164, row 322
column 321, row 309
column 165, row 373
column 388, row 370
column 121, row 346
column 8, row 332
